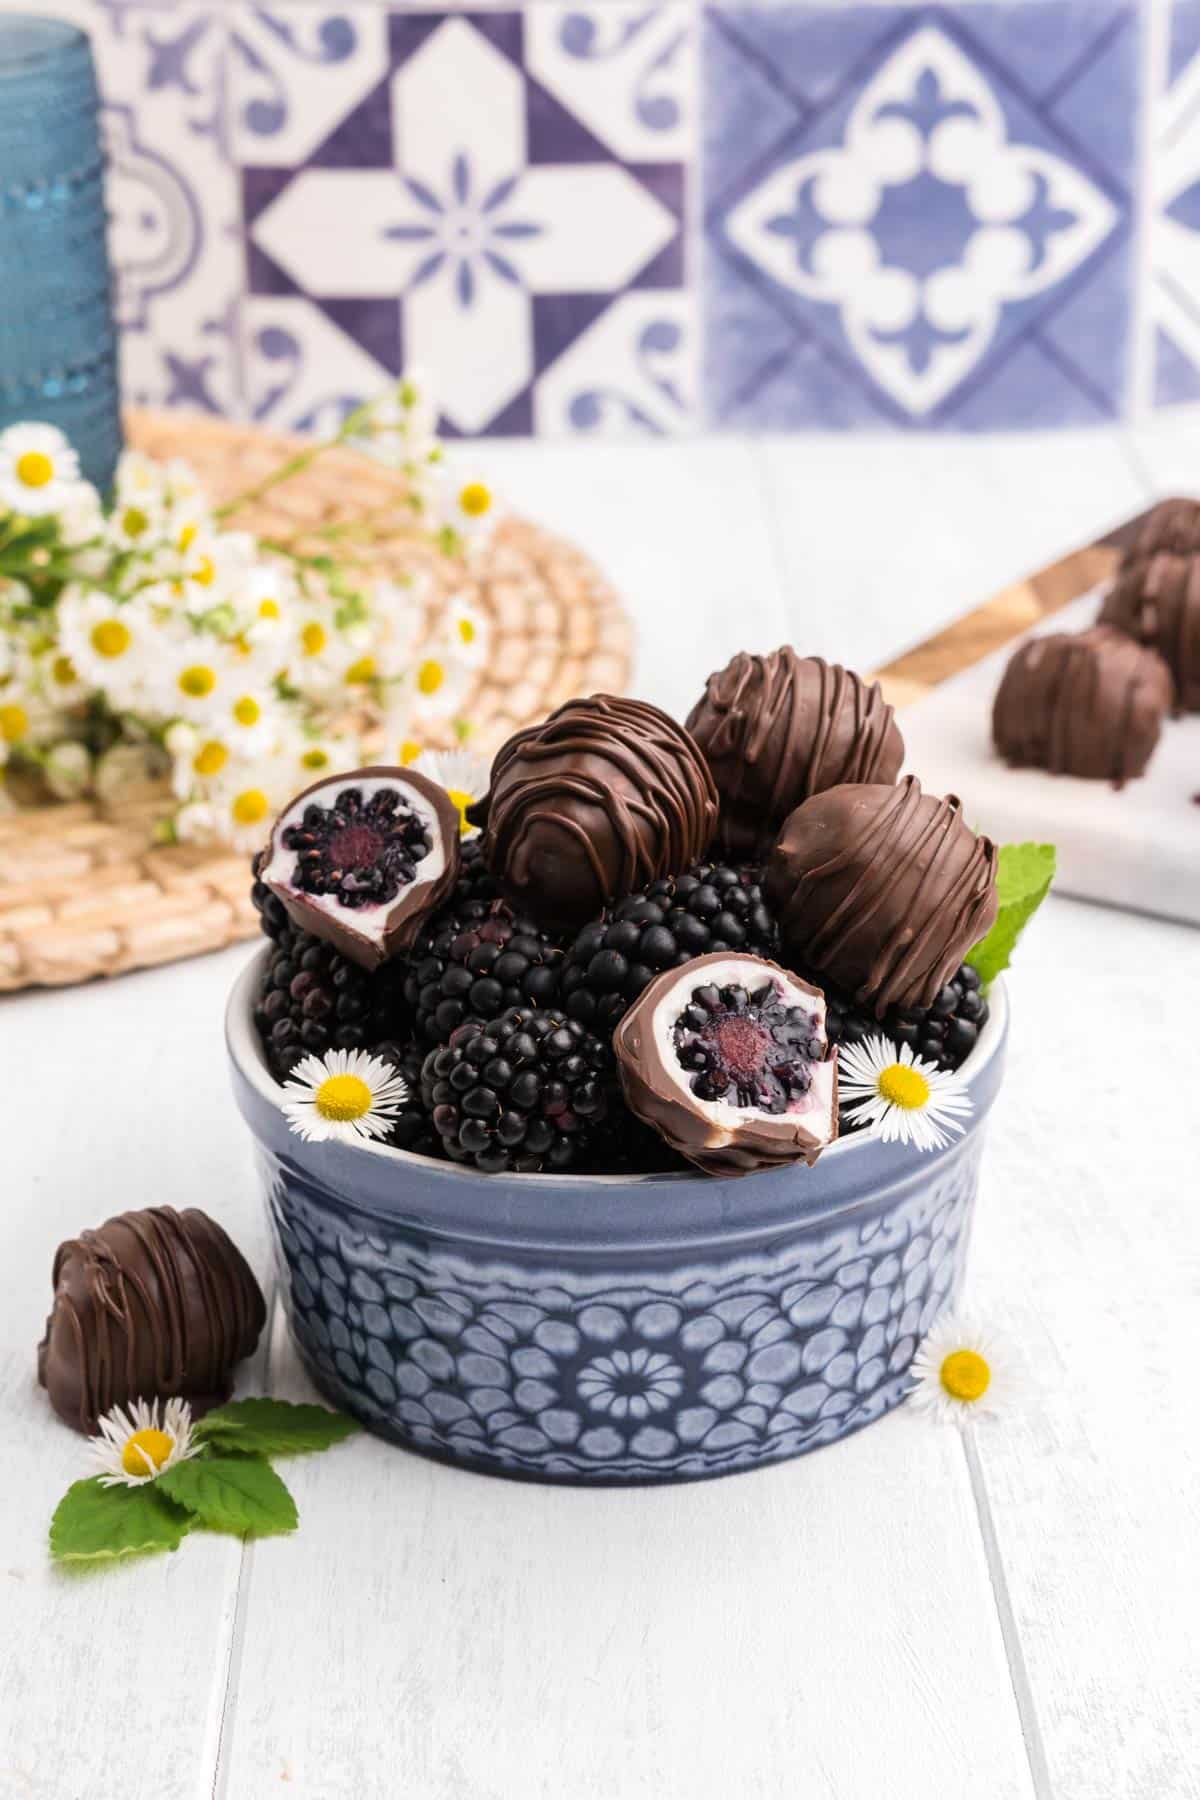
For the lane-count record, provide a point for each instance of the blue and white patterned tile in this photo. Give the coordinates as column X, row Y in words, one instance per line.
column 501, row 200
column 919, row 217
column 1172, row 310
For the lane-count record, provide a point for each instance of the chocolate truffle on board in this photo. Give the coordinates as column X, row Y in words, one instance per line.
column 153, row 1305
column 777, row 729
column 882, row 889
column 1089, row 703
column 1156, row 599
column 603, row 797
column 728, row 1059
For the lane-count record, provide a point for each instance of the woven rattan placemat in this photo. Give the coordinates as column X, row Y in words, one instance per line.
column 84, row 892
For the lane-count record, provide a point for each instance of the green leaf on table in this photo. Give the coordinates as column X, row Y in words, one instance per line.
column 273, row 1427
column 94, row 1521
column 242, row 1494
column 1023, row 878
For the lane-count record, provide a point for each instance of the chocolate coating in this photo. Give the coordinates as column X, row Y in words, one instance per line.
column 153, row 1305
column 603, row 797
column 1088, row 703
column 655, row 1097
column 1172, row 525
column 883, row 889
column 777, row 729
column 1156, row 600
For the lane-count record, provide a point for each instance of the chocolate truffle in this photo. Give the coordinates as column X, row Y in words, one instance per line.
column 1088, row 703
column 153, row 1305
column 362, row 859
column 728, row 1059
column 1172, row 525
column 1156, row 600
column 604, row 797
column 882, row 889
column 777, row 729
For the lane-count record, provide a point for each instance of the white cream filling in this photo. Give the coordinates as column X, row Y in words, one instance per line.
column 367, row 921
column 725, row 1115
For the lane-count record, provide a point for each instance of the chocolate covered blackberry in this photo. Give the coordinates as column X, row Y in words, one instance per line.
column 728, row 1059
column 713, row 906
column 944, row 1034
column 531, row 1090
column 474, row 962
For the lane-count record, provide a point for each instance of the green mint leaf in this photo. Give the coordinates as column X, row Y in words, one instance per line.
column 274, row 1427
column 242, row 1494
column 1023, row 880
column 94, row 1521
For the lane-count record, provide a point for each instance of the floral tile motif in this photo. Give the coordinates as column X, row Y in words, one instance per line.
column 496, row 196
column 1173, row 228
column 919, row 217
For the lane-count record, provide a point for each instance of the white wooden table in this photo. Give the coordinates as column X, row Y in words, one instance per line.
column 906, row 1616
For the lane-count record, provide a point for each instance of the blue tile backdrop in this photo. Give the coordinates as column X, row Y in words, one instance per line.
column 648, row 219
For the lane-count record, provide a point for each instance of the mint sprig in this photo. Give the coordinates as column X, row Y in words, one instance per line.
column 1023, row 877
column 227, row 1484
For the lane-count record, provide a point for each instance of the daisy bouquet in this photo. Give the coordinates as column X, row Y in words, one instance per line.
column 149, row 634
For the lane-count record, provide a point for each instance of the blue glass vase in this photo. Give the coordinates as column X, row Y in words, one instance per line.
column 58, row 349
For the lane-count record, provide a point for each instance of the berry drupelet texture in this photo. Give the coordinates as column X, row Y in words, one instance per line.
column 713, row 906
column 528, row 1091
column 474, row 960
column 747, row 1048
column 944, row 1033
column 313, row 1000
column 359, row 851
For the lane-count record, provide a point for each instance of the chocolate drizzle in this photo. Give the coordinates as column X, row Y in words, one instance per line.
column 151, row 1305
column 603, row 797
column 1090, row 704
column 777, row 729
column 882, row 888
column 1156, row 600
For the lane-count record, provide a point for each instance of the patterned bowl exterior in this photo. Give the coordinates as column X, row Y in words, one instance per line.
column 608, row 1329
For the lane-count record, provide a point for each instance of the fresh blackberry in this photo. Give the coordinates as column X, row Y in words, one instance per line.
column 475, row 879
column 531, row 1090
column 272, row 913
column 474, row 961
column 413, row 1127
column 944, row 1033
column 312, row 1000
column 712, row 907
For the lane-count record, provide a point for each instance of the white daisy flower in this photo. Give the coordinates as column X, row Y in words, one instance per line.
column 321, row 653
column 200, row 759
column 39, row 471
column 438, row 684
column 473, row 510
column 899, row 1095
column 316, row 757
column 58, row 678
column 963, row 1371
column 140, row 481
column 465, row 776
column 345, row 1095
column 465, row 630
column 249, row 714
column 106, row 641
column 265, row 602
column 244, row 802
column 81, row 520
column 138, row 1446
column 195, row 679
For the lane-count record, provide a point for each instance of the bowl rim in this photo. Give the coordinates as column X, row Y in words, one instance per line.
column 246, row 1054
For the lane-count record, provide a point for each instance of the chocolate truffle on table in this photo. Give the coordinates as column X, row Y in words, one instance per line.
column 361, row 859
column 153, row 1305
column 882, row 889
column 1089, row 703
column 777, row 729
column 1172, row 525
column 601, row 799
column 728, row 1059
column 1156, row 600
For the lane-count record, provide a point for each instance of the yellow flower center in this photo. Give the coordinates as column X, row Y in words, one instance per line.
column 409, row 752
column 314, row 638
column 904, row 1087
column 197, row 681
column 251, row 807
column 361, row 671
column 63, row 671
column 204, row 573
column 34, row 469
column 110, row 638
column 210, row 758
column 268, row 609
column 475, row 499
column 187, row 537
column 134, row 521
column 462, row 800
column 315, row 759
column 466, row 630
column 430, row 677
column 146, row 1452
column 14, row 723
column 247, row 711
column 965, row 1375
column 343, row 1097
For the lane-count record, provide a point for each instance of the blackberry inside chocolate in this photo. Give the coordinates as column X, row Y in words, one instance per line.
column 360, row 851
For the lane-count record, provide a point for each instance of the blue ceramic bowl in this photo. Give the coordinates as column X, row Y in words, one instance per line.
column 612, row 1329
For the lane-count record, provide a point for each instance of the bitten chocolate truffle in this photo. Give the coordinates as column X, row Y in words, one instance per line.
column 777, row 729
column 882, row 889
column 1156, row 600
column 603, row 797
column 1089, row 703
column 153, row 1305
